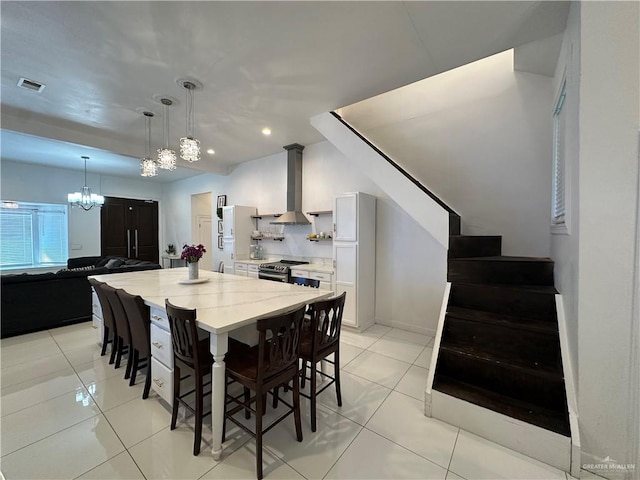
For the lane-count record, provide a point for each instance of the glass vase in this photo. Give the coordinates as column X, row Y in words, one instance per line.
column 193, row 270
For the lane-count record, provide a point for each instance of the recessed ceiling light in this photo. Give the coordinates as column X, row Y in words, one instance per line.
column 266, row 131
column 211, row 151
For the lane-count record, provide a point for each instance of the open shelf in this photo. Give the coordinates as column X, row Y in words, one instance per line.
column 266, row 215
column 278, row 239
column 321, row 212
column 320, row 239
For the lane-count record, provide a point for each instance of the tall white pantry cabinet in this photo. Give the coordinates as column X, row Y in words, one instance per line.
column 237, row 226
column 354, row 256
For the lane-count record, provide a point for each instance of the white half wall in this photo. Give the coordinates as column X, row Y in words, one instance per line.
column 479, row 137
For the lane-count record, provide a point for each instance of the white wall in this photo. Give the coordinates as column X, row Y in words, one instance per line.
column 564, row 247
column 479, row 129
column 410, row 268
column 609, row 118
column 35, row 183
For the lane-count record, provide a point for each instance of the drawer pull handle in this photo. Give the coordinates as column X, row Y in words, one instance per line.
column 158, row 382
column 157, row 345
column 157, row 318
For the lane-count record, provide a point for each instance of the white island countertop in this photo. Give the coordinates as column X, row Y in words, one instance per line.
column 224, row 303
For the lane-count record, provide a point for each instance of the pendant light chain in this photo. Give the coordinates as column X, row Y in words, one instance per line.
column 148, row 166
column 166, row 157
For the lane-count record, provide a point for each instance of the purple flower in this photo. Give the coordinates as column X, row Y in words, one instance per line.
column 192, row 253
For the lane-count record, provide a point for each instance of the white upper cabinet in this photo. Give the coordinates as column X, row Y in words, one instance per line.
column 345, row 218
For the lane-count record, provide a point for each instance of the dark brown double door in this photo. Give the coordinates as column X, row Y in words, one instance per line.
column 129, row 228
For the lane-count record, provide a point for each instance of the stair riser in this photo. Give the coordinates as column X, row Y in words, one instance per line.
column 531, row 348
column 500, row 378
column 500, row 272
column 539, row 306
column 466, row 247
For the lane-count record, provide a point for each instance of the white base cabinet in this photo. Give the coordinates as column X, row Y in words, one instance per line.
column 161, row 355
column 96, row 318
column 354, row 256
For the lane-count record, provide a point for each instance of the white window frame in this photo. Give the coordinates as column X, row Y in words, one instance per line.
column 560, row 187
column 38, row 212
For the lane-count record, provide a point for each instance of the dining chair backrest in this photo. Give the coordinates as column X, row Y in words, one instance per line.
column 107, row 312
column 119, row 315
column 326, row 320
column 279, row 342
column 184, row 333
column 139, row 320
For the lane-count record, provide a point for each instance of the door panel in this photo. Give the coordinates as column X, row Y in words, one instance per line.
column 129, row 228
column 345, row 216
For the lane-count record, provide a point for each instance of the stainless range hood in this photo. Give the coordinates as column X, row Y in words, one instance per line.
column 293, row 215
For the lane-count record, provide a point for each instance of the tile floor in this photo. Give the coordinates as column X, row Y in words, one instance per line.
column 65, row 413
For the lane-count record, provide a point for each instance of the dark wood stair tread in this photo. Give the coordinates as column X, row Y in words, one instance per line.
column 540, row 371
column 551, row 420
column 505, row 258
column 503, row 320
column 541, row 289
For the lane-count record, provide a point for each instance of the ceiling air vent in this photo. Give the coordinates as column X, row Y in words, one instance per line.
column 31, row 85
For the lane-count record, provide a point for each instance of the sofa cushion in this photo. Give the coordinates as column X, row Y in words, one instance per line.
column 114, row 263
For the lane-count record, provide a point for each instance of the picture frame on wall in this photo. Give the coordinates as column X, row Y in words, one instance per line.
column 220, row 228
column 222, row 201
column 220, row 244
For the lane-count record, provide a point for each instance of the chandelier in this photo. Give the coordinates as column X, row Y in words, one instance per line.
column 84, row 198
column 189, row 145
column 148, row 166
column 166, row 156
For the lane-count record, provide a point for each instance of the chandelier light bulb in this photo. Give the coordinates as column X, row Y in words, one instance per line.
column 148, row 167
column 190, row 149
column 189, row 145
column 166, row 157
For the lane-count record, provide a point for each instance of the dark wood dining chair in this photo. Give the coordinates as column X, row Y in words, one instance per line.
column 140, row 327
column 123, row 332
column 191, row 355
column 321, row 338
column 110, row 332
column 260, row 369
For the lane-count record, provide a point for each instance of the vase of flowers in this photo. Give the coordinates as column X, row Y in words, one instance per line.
column 192, row 254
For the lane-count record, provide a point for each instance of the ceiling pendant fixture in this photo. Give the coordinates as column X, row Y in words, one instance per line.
column 148, row 166
column 166, row 156
column 189, row 145
column 85, row 199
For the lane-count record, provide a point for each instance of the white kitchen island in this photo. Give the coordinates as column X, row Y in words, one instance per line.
column 224, row 304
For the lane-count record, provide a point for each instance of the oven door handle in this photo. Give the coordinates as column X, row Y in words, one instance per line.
column 272, row 276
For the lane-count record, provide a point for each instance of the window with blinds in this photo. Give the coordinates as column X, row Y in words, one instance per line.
column 33, row 235
column 559, row 200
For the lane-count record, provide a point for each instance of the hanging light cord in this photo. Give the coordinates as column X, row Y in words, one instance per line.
column 189, row 86
column 166, row 127
column 148, row 155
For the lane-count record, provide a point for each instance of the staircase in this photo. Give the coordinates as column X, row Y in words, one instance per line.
column 500, row 346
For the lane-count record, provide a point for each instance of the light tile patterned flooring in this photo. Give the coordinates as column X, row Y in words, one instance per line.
column 67, row 414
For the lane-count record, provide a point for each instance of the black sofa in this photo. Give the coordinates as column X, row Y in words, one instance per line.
column 34, row 302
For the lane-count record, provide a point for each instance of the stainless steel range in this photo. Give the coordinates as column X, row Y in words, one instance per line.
column 278, row 271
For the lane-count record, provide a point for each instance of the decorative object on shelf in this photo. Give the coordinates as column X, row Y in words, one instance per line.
column 166, row 156
column 220, row 227
column 171, row 249
column 189, row 145
column 192, row 254
column 222, row 201
column 84, row 198
column 220, row 242
column 148, row 166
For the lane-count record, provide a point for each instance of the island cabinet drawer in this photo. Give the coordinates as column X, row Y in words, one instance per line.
column 323, row 277
column 254, row 268
column 159, row 318
column 161, row 348
column 162, row 380
column 240, row 267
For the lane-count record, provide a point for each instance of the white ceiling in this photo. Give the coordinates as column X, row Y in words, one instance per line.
column 262, row 63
